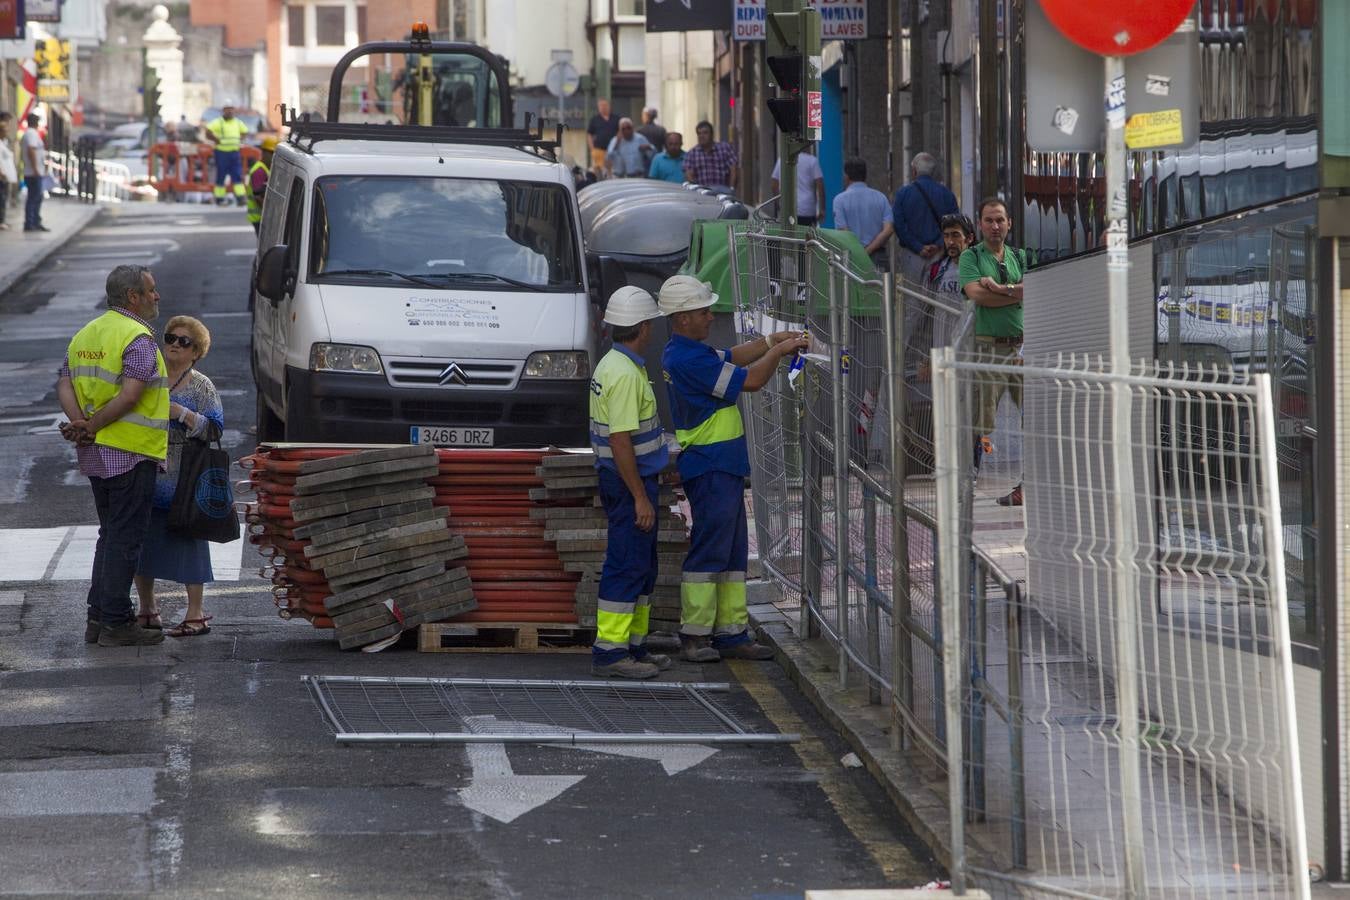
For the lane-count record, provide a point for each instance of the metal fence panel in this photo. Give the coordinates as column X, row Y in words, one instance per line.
column 1195, row 628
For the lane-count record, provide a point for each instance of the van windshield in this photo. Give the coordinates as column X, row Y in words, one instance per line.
column 451, row 232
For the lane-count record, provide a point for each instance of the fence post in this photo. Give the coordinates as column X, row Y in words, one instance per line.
column 838, row 397
column 1125, row 540
column 872, row 586
column 1013, row 618
column 1273, row 534
column 902, row 648
column 947, row 596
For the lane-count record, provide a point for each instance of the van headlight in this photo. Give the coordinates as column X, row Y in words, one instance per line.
column 558, row 364
column 344, row 358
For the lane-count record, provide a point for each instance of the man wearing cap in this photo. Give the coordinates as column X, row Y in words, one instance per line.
column 630, row 452
column 227, row 132
column 714, row 461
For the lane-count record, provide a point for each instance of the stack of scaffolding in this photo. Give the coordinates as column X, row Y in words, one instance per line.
column 574, row 521
column 379, row 542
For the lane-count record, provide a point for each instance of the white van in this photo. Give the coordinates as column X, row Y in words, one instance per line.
column 410, row 288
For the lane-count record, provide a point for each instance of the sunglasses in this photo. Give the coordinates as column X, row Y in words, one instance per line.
column 181, row 340
column 1003, row 272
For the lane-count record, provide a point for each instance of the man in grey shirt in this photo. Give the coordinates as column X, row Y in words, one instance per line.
column 629, row 153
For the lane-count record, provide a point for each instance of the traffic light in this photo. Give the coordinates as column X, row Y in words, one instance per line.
column 150, row 98
column 793, row 56
column 786, row 108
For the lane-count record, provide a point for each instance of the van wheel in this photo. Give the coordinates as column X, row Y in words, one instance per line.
column 270, row 427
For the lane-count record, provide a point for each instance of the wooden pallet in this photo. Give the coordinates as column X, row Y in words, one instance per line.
column 505, row 637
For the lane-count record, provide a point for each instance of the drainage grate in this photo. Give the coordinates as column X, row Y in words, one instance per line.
column 472, row 710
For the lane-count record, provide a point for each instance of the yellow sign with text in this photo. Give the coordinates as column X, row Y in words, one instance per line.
column 1146, row 131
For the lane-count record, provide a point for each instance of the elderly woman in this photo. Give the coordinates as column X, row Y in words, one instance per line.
column 195, row 413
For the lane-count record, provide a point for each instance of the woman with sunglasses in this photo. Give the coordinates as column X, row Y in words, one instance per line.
column 195, row 413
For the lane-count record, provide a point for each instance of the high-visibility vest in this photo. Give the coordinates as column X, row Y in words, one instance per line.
column 228, row 132
column 95, row 359
column 255, row 207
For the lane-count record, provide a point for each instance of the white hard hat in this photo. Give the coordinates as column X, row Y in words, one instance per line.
column 685, row 293
column 630, row 306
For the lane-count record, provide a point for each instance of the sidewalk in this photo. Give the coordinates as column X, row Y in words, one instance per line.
column 21, row 252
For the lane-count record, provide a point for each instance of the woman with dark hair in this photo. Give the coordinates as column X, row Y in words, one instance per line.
column 195, row 413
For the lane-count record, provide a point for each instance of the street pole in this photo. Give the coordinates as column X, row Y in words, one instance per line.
column 1126, row 543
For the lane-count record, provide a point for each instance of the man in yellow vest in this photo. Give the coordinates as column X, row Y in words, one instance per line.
column 714, row 462
column 630, row 452
column 227, row 132
column 113, row 386
column 258, row 173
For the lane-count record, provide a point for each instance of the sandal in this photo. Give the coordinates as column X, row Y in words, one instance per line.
column 150, row 620
column 190, row 627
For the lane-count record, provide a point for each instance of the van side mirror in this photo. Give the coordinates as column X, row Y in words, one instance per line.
column 273, row 281
column 605, row 275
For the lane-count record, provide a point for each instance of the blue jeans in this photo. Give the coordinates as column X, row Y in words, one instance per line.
column 123, row 503
column 32, row 211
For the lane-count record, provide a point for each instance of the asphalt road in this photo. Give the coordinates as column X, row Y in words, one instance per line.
column 202, row 767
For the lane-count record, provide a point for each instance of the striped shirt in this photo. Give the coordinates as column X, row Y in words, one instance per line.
column 711, row 166
column 139, row 362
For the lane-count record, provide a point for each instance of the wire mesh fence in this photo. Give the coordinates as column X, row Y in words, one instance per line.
column 467, row 710
column 1127, row 721
column 997, row 614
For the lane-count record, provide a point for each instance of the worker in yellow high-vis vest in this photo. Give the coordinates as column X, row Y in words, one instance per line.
column 114, row 389
column 258, row 173
column 227, row 132
column 714, row 462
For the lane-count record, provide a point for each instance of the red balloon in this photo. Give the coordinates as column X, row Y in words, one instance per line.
column 1119, row 28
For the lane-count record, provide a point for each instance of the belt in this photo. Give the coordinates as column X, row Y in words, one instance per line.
column 987, row 339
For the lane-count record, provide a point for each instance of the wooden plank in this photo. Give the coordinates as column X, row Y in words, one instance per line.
column 310, row 467
column 503, row 637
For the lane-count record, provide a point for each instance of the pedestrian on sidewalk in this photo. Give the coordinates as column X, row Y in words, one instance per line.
column 919, row 208
column 195, row 414
column 34, row 153
column 991, row 276
column 602, row 128
column 866, row 212
column 652, row 130
column 9, row 175
column 810, row 188
column 629, row 153
column 630, row 452
column 113, row 387
column 669, row 166
column 713, row 164
column 714, row 462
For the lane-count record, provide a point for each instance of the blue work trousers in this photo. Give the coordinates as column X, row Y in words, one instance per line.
column 629, row 574
column 712, row 590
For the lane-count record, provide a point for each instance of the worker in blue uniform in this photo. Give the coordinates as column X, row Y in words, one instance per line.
column 714, row 462
column 630, row 452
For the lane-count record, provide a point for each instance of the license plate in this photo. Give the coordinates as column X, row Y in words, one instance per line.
column 440, row 436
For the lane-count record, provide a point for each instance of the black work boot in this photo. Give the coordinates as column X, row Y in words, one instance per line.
column 625, row 668
column 128, row 634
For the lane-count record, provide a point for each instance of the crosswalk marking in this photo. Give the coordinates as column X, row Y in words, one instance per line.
column 27, row 554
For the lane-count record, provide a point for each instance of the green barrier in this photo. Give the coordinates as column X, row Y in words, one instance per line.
column 710, row 260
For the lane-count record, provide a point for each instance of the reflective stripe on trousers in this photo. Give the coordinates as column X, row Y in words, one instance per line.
column 629, row 573
column 712, row 590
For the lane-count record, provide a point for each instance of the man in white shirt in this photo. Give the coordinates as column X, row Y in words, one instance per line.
column 810, row 188
column 34, row 153
column 9, row 177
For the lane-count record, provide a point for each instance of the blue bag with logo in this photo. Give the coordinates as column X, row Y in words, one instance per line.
column 203, row 503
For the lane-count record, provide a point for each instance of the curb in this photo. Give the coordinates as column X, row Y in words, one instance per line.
column 907, row 776
column 57, row 240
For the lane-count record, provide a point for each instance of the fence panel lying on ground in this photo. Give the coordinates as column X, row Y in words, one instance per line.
column 1194, row 791
column 1030, row 687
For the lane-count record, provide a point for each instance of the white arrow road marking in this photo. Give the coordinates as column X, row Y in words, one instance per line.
column 496, row 790
column 674, row 758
